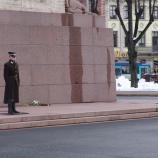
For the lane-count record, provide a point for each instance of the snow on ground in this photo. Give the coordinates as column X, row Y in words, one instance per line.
column 123, row 84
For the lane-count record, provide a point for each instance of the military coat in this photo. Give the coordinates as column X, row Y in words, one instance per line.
column 12, row 82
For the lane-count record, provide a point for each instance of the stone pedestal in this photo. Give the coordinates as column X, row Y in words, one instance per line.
column 63, row 58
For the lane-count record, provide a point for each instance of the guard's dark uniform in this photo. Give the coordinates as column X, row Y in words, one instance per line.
column 12, row 82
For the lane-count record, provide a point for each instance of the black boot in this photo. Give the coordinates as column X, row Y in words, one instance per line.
column 10, row 108
column 14, row 110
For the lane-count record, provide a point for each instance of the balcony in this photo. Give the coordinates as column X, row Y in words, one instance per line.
column 147, row 50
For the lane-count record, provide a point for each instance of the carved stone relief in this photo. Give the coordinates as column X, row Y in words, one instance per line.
column 74, row 6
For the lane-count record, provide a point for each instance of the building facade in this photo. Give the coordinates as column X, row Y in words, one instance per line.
column 147, row 47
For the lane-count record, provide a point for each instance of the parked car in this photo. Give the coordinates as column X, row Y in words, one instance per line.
column 151, row 77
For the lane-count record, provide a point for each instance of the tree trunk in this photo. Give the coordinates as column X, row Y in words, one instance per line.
column 131, row 48
column 133, row 66
column 131, row 38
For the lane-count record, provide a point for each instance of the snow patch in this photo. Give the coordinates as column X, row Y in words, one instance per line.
column 123, row 84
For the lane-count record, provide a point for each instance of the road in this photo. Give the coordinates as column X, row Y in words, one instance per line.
column 124, row 139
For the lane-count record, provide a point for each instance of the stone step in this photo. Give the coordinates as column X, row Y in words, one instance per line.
column 68, row 119
column 28, row 117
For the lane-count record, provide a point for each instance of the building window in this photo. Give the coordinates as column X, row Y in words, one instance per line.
column 156, row 12
column 143, row 14
column 112, row 12
column 141, row 42
column 155, row 41
column 125, row 12
column 115, row 35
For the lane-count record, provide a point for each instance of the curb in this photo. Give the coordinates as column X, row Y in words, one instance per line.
column 77, row 118
column 137, row 93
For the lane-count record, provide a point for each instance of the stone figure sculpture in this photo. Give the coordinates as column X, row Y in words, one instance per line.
column 74, row 6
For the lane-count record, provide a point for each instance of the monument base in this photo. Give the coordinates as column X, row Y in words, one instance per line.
column 63, row 58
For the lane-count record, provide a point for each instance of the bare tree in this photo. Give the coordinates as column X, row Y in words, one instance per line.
column 131, row 32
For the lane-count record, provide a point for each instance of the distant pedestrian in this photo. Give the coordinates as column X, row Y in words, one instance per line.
column 12, row 82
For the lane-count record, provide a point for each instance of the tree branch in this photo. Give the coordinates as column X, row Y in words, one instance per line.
column 149, row 7
column 139, row 11
column 151, row 14
column 153, row 7
column 135, row 7
column 139, row 4
column 143, row 32
column 117, row 10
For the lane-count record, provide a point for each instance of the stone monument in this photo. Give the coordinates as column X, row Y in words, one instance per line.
column 57, row 6
column 64, row 58
column 75, row 6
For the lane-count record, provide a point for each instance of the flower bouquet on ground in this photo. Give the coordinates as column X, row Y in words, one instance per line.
column 38, row 103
